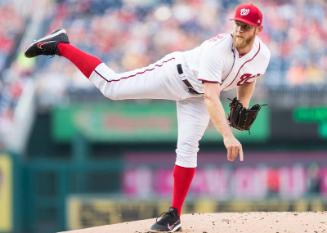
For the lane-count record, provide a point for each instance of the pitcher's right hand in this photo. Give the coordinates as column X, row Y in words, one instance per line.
column 234, row 148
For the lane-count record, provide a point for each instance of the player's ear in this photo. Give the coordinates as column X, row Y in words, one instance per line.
column 259, row 29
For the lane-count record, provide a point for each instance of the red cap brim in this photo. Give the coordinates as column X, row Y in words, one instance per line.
column 244, row 21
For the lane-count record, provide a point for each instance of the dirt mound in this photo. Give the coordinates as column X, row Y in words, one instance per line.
column 251, row 222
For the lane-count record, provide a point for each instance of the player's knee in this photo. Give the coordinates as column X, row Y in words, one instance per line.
column 110, row 93
column 188, row 146
column 111, row 96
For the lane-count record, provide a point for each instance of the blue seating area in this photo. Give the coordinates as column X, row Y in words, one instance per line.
column 130, row 34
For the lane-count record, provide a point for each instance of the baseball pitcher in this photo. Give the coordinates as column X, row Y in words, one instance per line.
column 194, row 79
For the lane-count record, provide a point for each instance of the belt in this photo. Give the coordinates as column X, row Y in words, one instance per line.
column 186, row 82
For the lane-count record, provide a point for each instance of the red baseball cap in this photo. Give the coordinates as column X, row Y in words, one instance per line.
column 249, row 14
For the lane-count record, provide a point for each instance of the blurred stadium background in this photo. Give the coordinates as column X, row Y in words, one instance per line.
column 72, row 159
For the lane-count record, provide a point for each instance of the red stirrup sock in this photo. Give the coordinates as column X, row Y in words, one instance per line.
column 182, row 181
column 85, row 62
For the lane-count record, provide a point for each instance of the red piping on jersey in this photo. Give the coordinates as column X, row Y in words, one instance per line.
column 244, row 64
column 138, row 73
column 234, row 59
column 101, row 76
column 208, row 81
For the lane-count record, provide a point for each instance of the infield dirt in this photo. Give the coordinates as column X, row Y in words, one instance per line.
column 251, row 222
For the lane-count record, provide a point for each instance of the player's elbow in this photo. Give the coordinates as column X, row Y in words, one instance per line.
column 110, row 94
column 210, row 99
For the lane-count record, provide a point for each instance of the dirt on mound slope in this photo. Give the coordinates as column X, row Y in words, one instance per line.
column 251, row 222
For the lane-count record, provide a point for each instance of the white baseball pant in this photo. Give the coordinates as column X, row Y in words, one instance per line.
column 161, row 80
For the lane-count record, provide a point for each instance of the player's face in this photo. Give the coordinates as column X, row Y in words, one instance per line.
column 243, row 35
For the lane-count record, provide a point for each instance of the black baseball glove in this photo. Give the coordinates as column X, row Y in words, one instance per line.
column 241, row 118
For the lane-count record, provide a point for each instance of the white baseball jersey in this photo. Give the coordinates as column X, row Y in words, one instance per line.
column 216, row 60
column 179, row 76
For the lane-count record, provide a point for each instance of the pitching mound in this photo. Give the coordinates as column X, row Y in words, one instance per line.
column 253, row 222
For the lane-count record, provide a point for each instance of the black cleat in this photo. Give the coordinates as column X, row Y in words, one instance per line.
column 168, row 222
column 47, row 45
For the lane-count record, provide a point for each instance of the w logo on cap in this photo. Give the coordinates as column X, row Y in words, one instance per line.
column 248, row 13
column 244, row 11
